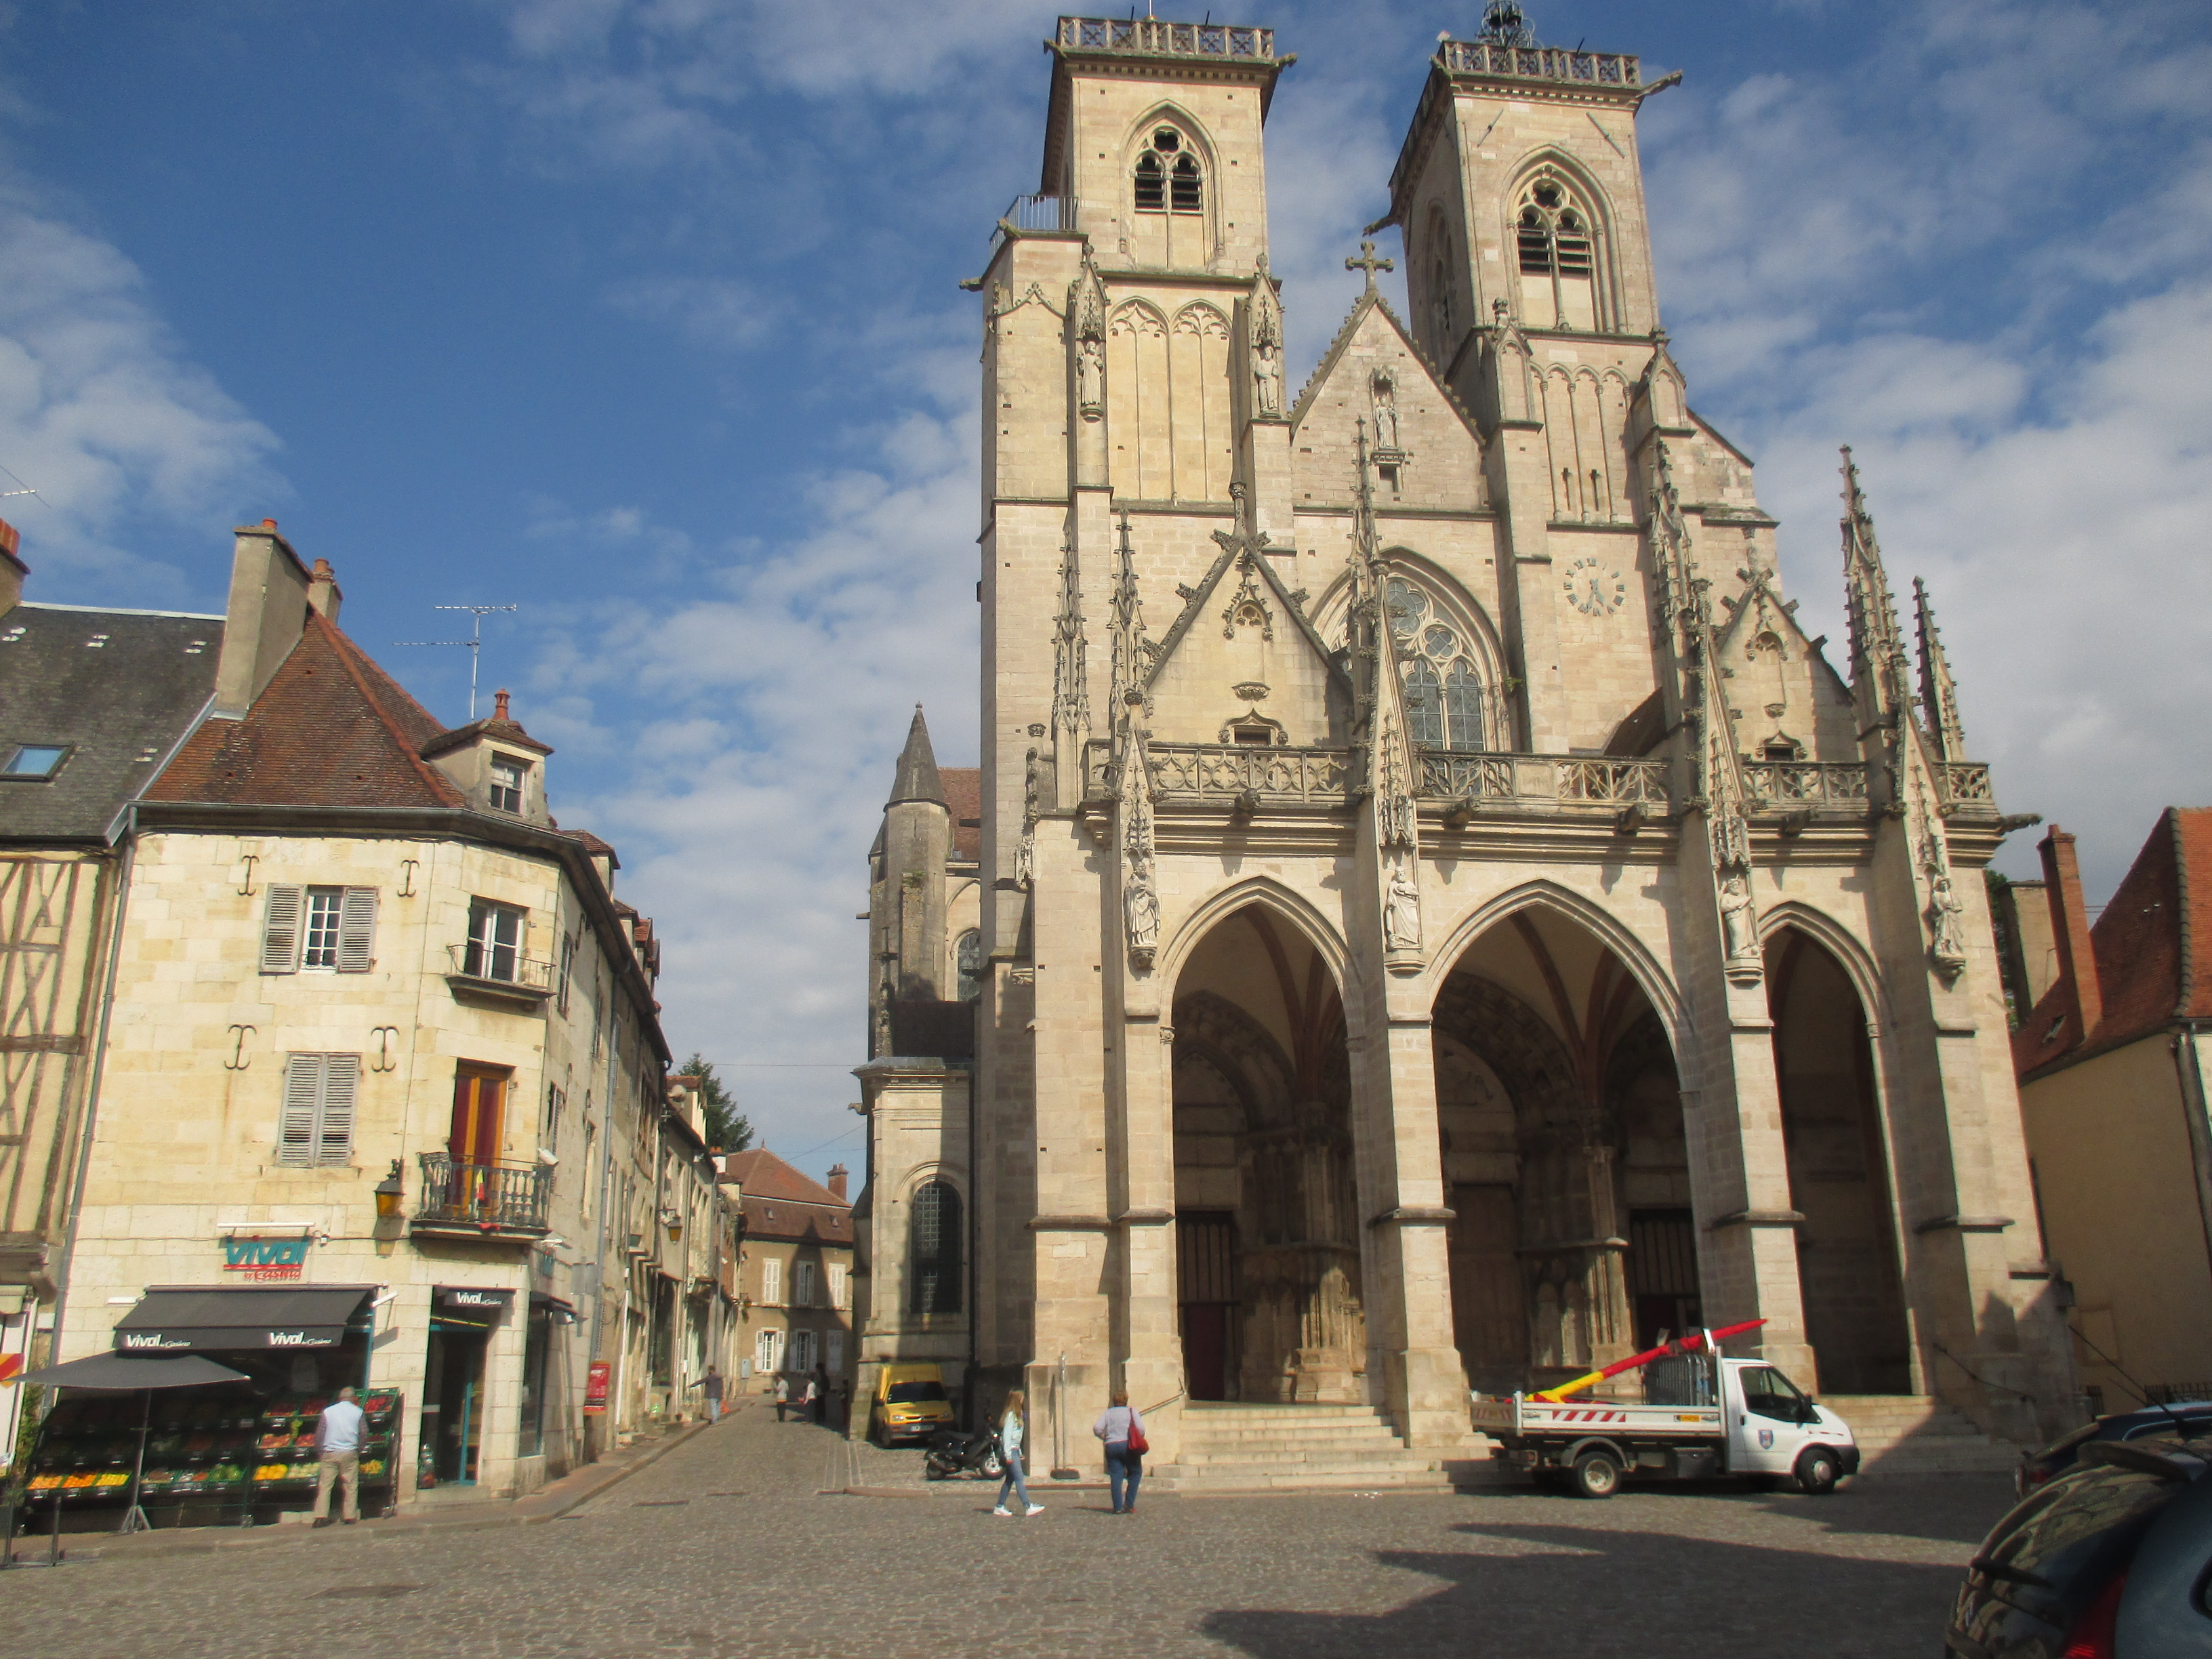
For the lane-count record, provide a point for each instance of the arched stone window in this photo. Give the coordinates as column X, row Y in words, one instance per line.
column 934, row 1249
column 1557, row 257
column 967, row 962
column 1169, row 193
column 1444, row 690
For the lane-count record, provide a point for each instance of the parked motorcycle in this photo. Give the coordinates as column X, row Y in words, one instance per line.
column 957, row 1457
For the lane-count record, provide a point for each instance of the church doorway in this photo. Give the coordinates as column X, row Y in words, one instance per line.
column 1565, row 1165
column 1847, row 1259
column 1266, row 1224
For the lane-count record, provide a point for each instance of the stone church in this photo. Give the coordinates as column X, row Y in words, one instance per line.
column 1431, row 918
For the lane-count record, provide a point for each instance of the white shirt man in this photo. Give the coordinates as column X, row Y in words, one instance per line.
column 337, row 1445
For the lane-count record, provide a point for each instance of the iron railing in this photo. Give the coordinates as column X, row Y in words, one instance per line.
column 1159, row 37
column 1038, row 213
column 500, row 965
column 1600, row 68
column 492, row 1198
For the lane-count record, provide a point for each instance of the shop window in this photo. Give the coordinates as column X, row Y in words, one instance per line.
column 933, row 1276
column 317, row 1124
column 802, row 1285
column 771, row 1282
column 321, row 929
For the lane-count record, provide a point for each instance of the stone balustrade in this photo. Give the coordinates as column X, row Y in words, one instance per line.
column 1568, row 780
column 1604, row 69
column 1806, row 783
column 1157, row 37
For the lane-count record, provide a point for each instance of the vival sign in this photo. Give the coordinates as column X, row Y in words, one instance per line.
column 265, row 1259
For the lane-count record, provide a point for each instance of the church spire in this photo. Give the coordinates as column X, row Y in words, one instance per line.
column 1878, row 664
column 1939, row 693
column 917, row 768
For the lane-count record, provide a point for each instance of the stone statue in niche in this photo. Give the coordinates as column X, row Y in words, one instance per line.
column 1090, row 376
column 1402, row 912
column 1264, row 321
column 1383, row 389
column 1142, row 908
column 1086, row 305
column 1738, row 927
column 1948, row 946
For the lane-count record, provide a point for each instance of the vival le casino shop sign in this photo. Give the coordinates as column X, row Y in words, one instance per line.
column 265, row 1261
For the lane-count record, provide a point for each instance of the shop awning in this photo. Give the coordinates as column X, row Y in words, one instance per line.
column 204, row 1319
column 117, row 1372
column 560, row 1312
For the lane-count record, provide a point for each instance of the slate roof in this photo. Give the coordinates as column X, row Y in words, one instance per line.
column 781, row 1203
column 2150, row 944
column 331, row 729
column 119, row 687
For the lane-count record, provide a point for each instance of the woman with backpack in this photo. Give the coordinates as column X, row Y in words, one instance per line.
column 1122, row 1428
column 1011, row 1424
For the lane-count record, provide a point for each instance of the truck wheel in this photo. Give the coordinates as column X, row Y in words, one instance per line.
column 1596, row 1474
column 1818, row 1471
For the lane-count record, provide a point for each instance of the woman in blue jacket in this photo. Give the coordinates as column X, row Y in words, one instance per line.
column 1010, row 1447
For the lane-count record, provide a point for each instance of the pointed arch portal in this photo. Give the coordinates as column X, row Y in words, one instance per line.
column 1267, row 1236
column 1565, row 1162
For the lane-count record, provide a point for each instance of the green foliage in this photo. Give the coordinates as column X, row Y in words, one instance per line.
column 727, row 1128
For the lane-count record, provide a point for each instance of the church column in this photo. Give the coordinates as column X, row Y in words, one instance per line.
column 1148, row 1339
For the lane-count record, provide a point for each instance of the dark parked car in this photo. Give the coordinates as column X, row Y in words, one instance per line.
column 2109, row 1560
column 2185, row 1418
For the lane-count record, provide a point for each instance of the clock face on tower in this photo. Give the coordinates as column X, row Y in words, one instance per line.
column 1596, row 589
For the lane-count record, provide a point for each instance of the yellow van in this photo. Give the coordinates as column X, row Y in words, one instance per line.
column 910, row 1404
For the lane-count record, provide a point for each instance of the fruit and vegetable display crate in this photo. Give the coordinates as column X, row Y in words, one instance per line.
column 236, row 1451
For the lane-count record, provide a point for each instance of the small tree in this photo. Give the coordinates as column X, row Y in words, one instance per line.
column 727, row 1127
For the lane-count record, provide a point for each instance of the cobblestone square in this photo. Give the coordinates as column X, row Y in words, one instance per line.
column 728, row 1546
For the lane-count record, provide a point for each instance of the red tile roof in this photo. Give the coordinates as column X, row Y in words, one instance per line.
column 330, row 729
column 963, row 793
column 781, row 1203
column 2148, row 943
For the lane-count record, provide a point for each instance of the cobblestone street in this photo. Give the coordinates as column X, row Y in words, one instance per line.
column 725, row 1547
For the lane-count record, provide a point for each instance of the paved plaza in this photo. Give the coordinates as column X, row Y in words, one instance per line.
column 727, row 1545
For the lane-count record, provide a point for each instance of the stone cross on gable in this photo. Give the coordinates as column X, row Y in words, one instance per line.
column 1367, row 263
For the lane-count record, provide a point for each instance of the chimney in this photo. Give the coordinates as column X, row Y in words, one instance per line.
column 323, row 591
column 499, row 706
column 12, row 568
column 262, row 623
column 837, row 1183
column 2070, row 926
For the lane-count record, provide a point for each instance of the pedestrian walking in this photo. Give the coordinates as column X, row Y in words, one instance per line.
column 338, row 1452
column 819, row 1393
column 1121, row 1426
column 711, row 1389
column 782, row 1395
column 1011, row 1428
column 811, row 1402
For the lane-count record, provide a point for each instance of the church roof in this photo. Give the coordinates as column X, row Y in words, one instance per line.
column 330, row 729
column 963, row 795
column 1372, row 299
column 2150, row 945
column 917, row 777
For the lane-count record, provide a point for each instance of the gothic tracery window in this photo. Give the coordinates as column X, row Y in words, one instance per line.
column 1168, row 176
column 1444, row 691
column 1557, row 259
column 1169, row 194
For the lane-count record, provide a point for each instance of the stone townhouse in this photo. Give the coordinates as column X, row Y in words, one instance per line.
column 2112, row 1059
column 94, row 701
column 794, row 1274
column 1443, row 921
column 381, row 1090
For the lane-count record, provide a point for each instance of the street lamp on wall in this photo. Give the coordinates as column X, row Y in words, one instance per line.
column 674, row 1222
column 388, row 1193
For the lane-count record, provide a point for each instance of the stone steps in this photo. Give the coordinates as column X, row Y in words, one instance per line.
column 1289, row 1448
column 1918, row 1434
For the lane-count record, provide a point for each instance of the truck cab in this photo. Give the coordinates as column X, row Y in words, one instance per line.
column 1701, row 1417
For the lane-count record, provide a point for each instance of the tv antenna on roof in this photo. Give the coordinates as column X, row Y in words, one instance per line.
column 25, row 490
column 474, row 642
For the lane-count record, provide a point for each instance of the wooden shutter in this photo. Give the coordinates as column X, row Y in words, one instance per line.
column 303, row 1095
column 280, row 930
column 356, row 930
column 341, row 1086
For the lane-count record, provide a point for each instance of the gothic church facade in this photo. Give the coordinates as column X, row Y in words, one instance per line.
column 1439, row 922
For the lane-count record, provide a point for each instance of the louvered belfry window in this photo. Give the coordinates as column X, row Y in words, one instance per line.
column 1558, row 259
column 1168, row 177
column 316, row 1127
column 330, row 929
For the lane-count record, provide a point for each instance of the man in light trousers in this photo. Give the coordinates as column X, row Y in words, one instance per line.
column 337, row 1447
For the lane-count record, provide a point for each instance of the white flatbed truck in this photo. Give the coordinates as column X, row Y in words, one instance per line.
column 1700, row 1418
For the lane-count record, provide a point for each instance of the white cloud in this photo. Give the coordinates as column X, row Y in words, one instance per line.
column 101, row 412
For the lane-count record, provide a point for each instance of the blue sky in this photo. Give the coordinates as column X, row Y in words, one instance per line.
column 643, row 315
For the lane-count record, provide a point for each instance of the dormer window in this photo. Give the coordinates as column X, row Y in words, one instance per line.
column 507, row 777
column 1558, row 259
